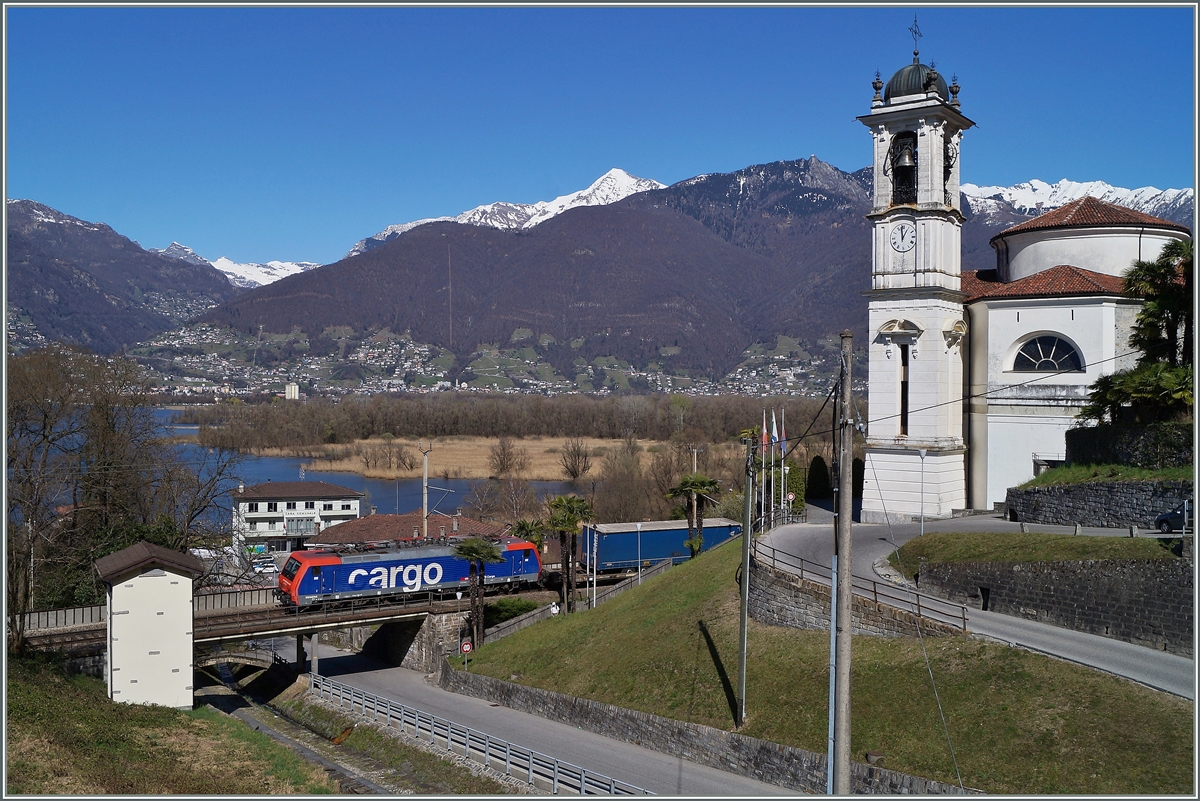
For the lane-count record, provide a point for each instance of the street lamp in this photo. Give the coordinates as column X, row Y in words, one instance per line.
column 639, row 535
column 922, row 452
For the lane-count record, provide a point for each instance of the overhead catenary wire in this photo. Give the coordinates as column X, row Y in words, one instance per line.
column 972, row 396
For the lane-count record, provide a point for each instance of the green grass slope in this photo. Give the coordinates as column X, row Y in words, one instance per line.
column 64, row 737
column 1019, row 722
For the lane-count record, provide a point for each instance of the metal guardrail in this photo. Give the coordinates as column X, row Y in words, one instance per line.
column 923, row 606
column 537, row 768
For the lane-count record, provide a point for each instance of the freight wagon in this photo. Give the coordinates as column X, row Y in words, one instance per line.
column 311, row 577
column 621, row 545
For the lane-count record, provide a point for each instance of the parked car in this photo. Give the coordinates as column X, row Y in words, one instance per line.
column 265, row 566
column 1173, row 520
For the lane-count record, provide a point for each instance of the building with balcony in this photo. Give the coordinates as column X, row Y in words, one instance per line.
column 284, row 515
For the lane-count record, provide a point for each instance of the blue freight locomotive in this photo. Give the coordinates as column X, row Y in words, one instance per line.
column 311, row 577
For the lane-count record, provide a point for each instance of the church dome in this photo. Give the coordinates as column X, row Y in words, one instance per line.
column 911, row 81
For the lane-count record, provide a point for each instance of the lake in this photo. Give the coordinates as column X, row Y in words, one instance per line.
column 387, row 495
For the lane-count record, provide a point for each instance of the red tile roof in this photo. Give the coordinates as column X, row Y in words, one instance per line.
column 388, row 528
column 1088, row 212
column 1063, row 280
column 295, row 490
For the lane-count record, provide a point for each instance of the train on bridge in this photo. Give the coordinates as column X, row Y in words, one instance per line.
column 322, row 576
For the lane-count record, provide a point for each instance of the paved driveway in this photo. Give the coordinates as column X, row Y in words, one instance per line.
column 651, row 770
column 814, row 541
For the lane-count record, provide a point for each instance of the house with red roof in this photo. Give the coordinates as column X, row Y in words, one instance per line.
column 383, row 530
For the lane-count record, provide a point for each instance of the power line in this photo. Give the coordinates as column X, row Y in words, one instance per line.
column 920, row 636
column 968, row 397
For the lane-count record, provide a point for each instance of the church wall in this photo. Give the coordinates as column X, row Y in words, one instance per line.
column 1088, row 323
column 1017, row 419
column 1110, row 251
column 1012, row 441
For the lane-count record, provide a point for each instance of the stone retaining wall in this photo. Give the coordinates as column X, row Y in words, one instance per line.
column 747, row 756
column 416, row 644
column 1145, row 601
column 779, row 598
column 1112, row 504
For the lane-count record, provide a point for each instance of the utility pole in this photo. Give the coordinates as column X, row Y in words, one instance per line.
column 841, row 730
column 747, row 535
column 425, row 489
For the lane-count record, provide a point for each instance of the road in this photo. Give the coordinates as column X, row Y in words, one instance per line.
column 1163, row 671
column 651, row 770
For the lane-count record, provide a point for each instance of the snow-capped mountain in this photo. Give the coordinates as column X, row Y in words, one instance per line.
column 252, row 275
column 1030, row 197
column 246, row 276
column 614, row 185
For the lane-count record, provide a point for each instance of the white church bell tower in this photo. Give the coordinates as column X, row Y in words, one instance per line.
column 916, row 322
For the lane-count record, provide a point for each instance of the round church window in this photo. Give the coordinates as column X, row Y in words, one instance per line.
column 1047, row 354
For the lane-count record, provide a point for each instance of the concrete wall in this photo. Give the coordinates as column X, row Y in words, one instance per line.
column 778, row 598
column 769, row 762
column 1114, row 504
column 1146, row 602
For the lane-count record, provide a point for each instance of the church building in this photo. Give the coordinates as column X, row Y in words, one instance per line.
column 975, row 377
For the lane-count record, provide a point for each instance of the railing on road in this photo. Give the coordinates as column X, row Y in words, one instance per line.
column 923, row 606
column 535, row 767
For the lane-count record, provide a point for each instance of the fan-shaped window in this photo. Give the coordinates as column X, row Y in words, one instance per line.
column 1047, row 354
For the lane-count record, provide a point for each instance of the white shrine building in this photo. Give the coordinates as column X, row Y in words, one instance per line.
column 975, row 377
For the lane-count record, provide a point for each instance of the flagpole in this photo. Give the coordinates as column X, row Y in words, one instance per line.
column 762, row 492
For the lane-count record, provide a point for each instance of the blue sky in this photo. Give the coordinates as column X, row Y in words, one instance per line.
column 291, row 133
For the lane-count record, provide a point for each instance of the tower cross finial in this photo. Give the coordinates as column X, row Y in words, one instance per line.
column 915, row 30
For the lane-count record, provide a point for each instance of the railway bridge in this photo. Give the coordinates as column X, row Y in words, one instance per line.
column 225, row 618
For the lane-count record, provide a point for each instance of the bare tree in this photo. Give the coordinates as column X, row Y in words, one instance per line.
column 575, row 459
column 90, row 472
column 517, row 500
column 507, row 458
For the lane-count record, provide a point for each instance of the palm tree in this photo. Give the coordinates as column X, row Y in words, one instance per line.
column 529, row 530
column 694, row 486
column 568, row 513
column 477, row 551
column 1165, row 285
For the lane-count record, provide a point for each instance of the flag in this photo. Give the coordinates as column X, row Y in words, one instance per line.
column 774, row 429
column 783, row 427
column 764, row 431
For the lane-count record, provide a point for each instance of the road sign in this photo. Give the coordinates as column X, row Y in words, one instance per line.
column 791, row 496
column 466, row 646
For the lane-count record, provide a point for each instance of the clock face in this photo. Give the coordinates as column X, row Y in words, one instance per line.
column 904, row 237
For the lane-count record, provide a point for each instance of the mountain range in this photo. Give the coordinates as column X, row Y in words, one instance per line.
column 76, row 281
column 686, row 275
column 245, row 276
column 614, row 185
